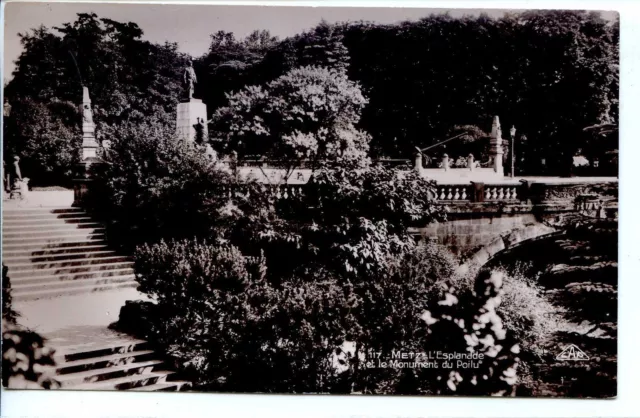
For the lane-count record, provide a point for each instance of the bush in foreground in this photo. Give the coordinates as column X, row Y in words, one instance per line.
column 26, row 362
column 230, row 326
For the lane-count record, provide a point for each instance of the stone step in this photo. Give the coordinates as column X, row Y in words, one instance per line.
column 62, row 252
column 39, row 242
column 49, row 233
column 69, row 291
column 44, row 217
column 101, row 361
column 42, row 220
column 110, row 372
column 87, row 247
column 10, row 228
column 52, row 209
column 68, row 353
column 72, row 276
column 170, row 386
column 127, row 382
column 69, row 270
column 58, row 257
column 50, row 265
column 18, row 288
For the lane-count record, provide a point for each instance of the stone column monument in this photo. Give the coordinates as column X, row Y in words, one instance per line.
column 89, row 143
column 88, row 156
column 191, row 111
column 496, row 150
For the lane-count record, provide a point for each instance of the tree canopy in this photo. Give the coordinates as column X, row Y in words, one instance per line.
column 128, row 79
column 549, row 73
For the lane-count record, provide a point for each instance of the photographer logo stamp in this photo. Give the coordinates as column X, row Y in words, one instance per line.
column 572, row 353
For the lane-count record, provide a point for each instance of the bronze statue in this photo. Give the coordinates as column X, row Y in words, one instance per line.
column 189, row 80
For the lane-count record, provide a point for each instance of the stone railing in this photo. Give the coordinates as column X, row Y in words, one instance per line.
column 538, row 192
column 281, row 191
column 479, row 192
column 454, row 192
column 554, row 191
column 306, row 164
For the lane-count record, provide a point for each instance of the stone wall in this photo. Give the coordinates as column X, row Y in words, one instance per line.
column 467, row 233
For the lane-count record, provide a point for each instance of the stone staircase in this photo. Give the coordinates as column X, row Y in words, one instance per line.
column 58, row 259
column 116, row 363
column 56, row 252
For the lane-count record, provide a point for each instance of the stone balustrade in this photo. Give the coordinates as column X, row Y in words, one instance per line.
column 281, row 191
column 523, row 192
column 454, row 192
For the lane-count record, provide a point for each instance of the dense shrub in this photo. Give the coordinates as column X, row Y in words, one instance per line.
column 527, row 312
column 348, row 221
column 227, row 326
column 154, row 186
column 232, row 326
column 8, row 313
column 462, row 324
column 26, row 362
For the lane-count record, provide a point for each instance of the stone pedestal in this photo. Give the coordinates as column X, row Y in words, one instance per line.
column 83, row 179
column 189, row 114
column 418, row 163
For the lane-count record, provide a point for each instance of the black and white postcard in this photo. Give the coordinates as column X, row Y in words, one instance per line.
column 310, row 200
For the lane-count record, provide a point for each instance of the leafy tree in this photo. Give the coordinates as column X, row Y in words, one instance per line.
column 588, row 287
column 578, row 275
column 230, row 64
column 323, row 46
column 348, row 222
column 309, row 114
column 128, row 79
column 45, row 139
column 153, row 185
column 522, row 67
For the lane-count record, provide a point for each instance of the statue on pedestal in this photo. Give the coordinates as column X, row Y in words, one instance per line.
column 189, row 80
column 191, row 113
column 15, row 179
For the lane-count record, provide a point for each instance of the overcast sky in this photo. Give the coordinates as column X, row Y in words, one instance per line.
column 191, row 25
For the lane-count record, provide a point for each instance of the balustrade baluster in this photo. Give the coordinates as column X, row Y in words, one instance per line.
column 500, row 193
column 449, row 196
column 456, row 196
column 464, row 193
column 487, row 193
